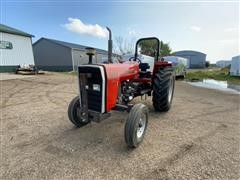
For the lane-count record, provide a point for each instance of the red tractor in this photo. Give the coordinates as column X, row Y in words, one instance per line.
column 107, row 87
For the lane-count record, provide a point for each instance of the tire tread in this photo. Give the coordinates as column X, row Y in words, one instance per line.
column 161, row 88
column 132, row 119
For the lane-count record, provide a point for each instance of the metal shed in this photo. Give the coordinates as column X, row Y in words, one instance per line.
column 196, row 59
column 223, row 63
column 235, row 66
column 55, row 55
column 15, row 48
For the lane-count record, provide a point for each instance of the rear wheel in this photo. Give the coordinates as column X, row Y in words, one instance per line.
column 136, row 125
column 163, row 89
column 74, row 113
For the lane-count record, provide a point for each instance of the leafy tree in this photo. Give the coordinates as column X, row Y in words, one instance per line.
column 149, row 47
column 165, row 49
column 207, row 64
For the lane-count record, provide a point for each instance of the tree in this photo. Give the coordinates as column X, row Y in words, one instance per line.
column 207, row 64
column 165, row 49
column 123, row 46
column 149, row 47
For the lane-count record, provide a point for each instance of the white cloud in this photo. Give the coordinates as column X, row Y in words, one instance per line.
column 132, row 32
column 77, row 26
column 227, row 41
column 195, row 28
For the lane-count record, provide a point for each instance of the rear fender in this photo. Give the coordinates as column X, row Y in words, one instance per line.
column 160, row 64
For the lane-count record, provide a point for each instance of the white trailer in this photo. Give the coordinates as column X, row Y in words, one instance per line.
column 235, row 66
column 180, row 64
column 223, row 63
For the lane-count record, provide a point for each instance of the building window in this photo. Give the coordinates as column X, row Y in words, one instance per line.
column 5, row 45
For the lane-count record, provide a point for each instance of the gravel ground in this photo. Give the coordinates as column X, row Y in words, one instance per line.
column 197, row 139
column 8, row 76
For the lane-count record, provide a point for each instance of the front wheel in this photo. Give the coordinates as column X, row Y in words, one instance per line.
column 74, row 113
column 136, row 125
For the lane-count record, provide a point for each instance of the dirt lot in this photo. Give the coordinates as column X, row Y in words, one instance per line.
column 197, row 139
column 8, row 76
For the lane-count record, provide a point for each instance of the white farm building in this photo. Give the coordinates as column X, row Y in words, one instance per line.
column 235, row 66
column 195, row 59
column 15, row 48
column 223, row 63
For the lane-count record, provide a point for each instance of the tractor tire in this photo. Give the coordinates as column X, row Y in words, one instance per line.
column 163, row 89
column 73, row 113
column 136, row 125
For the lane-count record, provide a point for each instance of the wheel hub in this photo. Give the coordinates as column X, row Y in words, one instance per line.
column 141, row 127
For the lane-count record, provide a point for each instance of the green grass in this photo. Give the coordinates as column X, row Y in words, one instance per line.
column 217, row 74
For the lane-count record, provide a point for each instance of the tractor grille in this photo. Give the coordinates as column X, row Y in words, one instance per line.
column 94, row 87
column 94, row 100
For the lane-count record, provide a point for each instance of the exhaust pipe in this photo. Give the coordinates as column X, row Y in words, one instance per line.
column 109, row 45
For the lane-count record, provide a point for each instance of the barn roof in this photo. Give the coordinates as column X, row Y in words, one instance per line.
column 188, row 52
column 10, row 30
column 70, row 45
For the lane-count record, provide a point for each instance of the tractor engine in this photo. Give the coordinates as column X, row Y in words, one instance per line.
column 127, row 92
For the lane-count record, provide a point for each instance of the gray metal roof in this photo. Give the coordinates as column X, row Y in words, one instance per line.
column 10, row 30
column 70, row 45
column 188, row 52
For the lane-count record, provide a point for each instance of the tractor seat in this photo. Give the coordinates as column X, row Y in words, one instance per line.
column 144, row 67
column 143, row 70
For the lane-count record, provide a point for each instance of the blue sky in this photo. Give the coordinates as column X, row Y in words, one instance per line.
column 210, row 27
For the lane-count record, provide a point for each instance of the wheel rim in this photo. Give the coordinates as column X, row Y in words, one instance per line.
column 170, row 91
column 141, row 126
column 78, row 114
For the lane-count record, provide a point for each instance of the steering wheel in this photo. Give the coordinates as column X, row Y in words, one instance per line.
column 133, row 59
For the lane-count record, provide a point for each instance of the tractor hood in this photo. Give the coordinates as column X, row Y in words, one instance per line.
column 123, row 71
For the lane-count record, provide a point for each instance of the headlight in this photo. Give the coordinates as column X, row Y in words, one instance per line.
column 96, row 87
